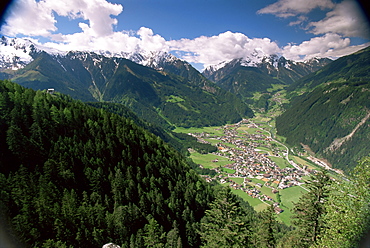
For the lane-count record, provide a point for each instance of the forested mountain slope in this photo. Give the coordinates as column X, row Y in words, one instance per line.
column 354, row 67
column 332, row 117
column 77, row 175
column 179, row 141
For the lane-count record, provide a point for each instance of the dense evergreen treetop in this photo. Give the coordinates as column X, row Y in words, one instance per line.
column 82, row 176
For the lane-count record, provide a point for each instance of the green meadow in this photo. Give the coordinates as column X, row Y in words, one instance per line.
column 281, row 162
column 208, row 160
column 211, row 130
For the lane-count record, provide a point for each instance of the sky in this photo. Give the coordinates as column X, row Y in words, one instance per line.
column 202, row 32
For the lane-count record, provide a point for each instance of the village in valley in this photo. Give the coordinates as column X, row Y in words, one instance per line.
column 254, row 164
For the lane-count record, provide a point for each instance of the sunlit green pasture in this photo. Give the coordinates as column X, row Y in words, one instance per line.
column 285, row 216
column 252, row 130
column 281, row 162
column 267, row 191
column 303, row 162
column 206, row 160
column 229, row 171
column 256, row 203
column 211, row 130
column 238, row 180
column 290, row 195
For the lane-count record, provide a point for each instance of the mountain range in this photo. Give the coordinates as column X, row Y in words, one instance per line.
column 169, row 92
column 164, row 90
column 246, row 76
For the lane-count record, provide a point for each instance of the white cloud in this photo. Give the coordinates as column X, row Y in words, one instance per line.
column 299, row 20
column 346, row 19
column 40, row 16
column 225, row 46
column 330, row 45
column 287, row 8
column 142, row 40
column 98, row 34
column 28, row 13
column 97, row 12
column 151, row 42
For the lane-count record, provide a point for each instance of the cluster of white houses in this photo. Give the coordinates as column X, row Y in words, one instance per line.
column 249, row 163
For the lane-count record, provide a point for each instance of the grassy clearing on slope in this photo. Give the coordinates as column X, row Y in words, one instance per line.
column 282, row 139
column 281, row 162
column 213, row 141
column 211, row 130
column 259, row 206
column 229, row 171
column 256, row 203
column 291, row 195
column 285, row 216
column 174, row 99
column 288, row 197
column 276, row 87
column 206, row 160
column 238, row 180
column 252, row 130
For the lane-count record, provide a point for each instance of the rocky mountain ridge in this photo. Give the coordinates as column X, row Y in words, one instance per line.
column 272, row 65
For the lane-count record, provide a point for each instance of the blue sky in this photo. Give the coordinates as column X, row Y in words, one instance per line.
column 191, row 19
column 203, row 32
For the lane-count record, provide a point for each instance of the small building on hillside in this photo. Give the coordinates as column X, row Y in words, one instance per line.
column 278, row 210
column 50, row 91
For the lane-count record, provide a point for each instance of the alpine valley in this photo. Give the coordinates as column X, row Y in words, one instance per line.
column 94, row 148
column 169, row 92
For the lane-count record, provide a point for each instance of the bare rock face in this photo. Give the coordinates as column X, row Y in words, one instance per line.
column 111, row 245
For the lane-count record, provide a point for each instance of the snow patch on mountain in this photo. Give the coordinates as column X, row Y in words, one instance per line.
column 16, row 53
column 255, row 59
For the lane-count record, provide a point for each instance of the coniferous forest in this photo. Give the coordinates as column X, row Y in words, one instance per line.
column 72, row 175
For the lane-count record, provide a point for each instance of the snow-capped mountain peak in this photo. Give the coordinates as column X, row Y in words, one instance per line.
column 254, row 59
column 16, row 53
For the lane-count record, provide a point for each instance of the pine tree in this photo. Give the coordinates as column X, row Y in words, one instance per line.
column 310, row 209
column 266, row 229
column 347, row 209
column 223, row 224
column 154, row 236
